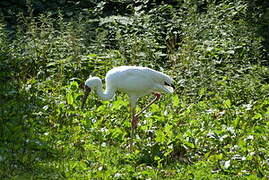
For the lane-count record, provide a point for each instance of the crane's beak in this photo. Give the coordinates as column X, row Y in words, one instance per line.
column 171, row 87
column 87, row 90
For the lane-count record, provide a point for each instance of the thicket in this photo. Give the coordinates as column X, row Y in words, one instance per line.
column 215, row 125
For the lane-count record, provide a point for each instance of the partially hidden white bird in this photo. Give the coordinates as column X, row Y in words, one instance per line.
column 133, row 80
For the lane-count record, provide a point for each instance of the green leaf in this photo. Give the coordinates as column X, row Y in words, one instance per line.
column 189, row 144
column 236, row 122
column 175, row 101
column 202, row 91
column 74, row 85
column 154, row 108
column 168, row 130
column 227, row 103
column 116, row 132
column 160, row 137
column 69, row 99
column 257, row 116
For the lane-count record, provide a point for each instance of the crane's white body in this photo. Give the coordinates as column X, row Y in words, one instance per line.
column 133, row 80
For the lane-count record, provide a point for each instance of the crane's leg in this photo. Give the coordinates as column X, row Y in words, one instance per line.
column 157, row 97
column 134, row 119
column 135, row 116
column 134, row 124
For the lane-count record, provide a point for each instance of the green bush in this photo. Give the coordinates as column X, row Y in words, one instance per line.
column 214, row 126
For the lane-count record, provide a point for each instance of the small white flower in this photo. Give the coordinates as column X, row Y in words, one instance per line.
column 46, row 133
column 210, row 111
column 117, row 175
column 248, row 106
column 227, row 164
column 250, row 137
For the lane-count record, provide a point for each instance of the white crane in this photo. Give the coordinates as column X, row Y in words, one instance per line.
column 133, row 80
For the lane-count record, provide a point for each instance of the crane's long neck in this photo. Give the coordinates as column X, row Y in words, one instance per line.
column 107, row 94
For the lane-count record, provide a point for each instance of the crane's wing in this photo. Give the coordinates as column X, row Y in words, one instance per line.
column 138, row 80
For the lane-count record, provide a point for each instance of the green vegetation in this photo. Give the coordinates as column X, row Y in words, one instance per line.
column 215, row 125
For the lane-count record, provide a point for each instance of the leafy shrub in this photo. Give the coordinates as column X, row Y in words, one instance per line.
column 213, row 126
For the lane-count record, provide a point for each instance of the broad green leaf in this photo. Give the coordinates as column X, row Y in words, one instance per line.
column 175, row 101
column 160, row 137
column 69, row 99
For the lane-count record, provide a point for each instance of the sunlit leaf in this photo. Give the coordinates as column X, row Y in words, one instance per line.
column 257, row 116
column 69, row 99
column 175, row 101
column 160, row 137
column 227, row 103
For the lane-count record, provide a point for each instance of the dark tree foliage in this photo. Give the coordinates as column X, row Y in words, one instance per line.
column 258, row 12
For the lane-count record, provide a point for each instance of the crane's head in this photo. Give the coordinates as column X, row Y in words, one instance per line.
column 90, row 84
column 168, row 83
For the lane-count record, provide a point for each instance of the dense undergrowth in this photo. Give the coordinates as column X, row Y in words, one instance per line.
column 215, row 125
